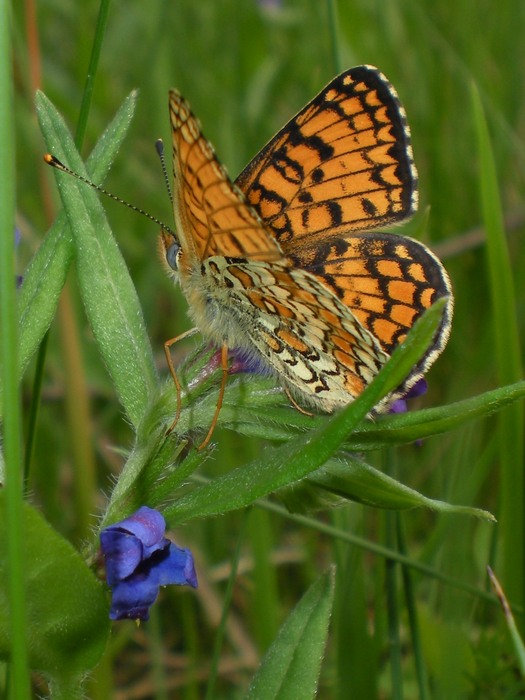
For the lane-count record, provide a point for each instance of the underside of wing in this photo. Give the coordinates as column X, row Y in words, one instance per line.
column 301, row 330
column 344, row 163
column 212, row 216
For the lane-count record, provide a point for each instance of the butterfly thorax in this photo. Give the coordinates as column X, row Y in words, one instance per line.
column 224, row 295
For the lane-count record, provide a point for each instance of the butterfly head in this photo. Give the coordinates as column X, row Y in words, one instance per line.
column 169, row 251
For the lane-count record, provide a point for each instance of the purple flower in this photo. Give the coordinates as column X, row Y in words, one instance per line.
column 400, row 405
column 139, row 559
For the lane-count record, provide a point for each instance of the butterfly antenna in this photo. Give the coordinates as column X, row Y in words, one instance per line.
column 159, row 145
column 55, row 163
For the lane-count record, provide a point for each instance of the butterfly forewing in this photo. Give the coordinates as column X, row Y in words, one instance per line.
column 343, row 163
column 342, row 166
column 211, row 215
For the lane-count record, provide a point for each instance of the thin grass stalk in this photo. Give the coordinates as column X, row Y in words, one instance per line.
column 516, row 639
column 265, row 601
column 35, row 405
column 393, row 617
column 35, row 70
column 385, row 552
column 157, row 654
column 191, row 633
column 335, row 43
column 508, row 359
column 100, row 30
column 18, row 670
column 78, row 419
column 411, row 603
column 357, row 657
column 228, row 594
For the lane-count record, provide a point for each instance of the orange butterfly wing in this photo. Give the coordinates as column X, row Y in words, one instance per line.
column 212, row 215
column 343, row 163
column 342, row 166
column 387, row 281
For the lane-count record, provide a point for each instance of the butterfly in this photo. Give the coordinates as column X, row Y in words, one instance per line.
column 286, row 267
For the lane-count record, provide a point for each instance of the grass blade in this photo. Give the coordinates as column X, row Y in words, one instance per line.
column 508, row 358
column 291, row 666
column 108, row 293
column 13, row 524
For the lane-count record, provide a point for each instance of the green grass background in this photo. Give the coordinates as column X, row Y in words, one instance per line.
column 246, row 67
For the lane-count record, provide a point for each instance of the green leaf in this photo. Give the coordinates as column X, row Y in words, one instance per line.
column 67, row 609
column 291, row 666
column 508, row 354
column 47, row 271
column 249, row 411
column 356, row 480
column 417, row 425
column 108, row 293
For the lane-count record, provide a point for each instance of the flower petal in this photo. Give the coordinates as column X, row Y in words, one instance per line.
column 176, row 568
column 122, row 553
column 132, row 599
column 400, row 405
column 139, row 559
column 146, row 523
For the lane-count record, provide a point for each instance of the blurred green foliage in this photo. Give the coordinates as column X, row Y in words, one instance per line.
column 246, row 68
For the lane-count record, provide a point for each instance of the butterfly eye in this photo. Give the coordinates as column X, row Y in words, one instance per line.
column 172, row 252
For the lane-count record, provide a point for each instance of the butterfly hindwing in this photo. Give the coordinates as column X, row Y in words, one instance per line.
column 388, row 281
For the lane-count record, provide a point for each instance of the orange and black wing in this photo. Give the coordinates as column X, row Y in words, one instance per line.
column 343, row 164
column 342, row 167
column 388, row 281
column 212, row 216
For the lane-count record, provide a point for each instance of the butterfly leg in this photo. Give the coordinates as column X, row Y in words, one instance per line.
column 295, row 404
column 167, row 351
column 224, row 378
